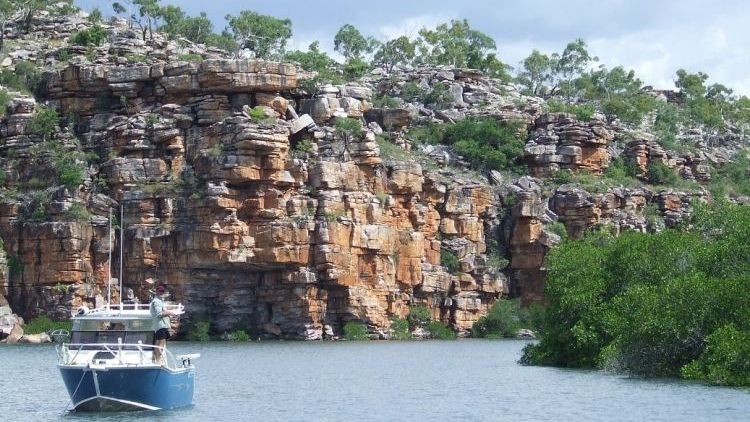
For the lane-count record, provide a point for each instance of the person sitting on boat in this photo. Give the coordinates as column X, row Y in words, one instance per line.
column 130, row 300
column 160, row 316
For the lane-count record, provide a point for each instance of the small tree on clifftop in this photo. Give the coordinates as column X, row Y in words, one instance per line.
column 264, row 35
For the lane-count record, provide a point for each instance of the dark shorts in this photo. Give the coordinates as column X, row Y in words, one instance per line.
column 161, row 334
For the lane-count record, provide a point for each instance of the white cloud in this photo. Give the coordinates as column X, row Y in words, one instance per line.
column 410, row 26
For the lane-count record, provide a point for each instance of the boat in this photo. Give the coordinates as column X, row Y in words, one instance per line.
column 107, row 360
column 107, row 364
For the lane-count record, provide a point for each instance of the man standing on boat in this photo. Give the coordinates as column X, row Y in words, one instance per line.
column 160, row 316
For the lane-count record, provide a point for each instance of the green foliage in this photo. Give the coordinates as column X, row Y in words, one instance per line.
column 77, row 212
column 349, row 127
column 438, row 330
column 384, row 101
column 503, row 320
column 4, row 101
column 95, row 16
column 43, row 324
column 44, row 121
column 732, row 178
column 660, row 174
column 666, row 304
column 559, row 229
column 25, row 78
column 457, row 44
column 391, row 151
column 315, row 60
column 224, row 41
column 258, row 114
column 400, row 329
column 419, row 316
column 726, row 359
column 197, row 29
column 486, row 143
column 190, row 57
column 199, row 331
column 264, row 35
column 395, row 52
column 438, row 97
column 449, row 260
column 238, row 335
column 352, row 44
column 304, row 146
column 355, row 330
column 622, row 172
column 96, row 35
column 582, row 112
column 355, row 68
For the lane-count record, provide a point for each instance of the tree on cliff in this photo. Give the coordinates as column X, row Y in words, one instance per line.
column 395, row 52
column 536, row 73
column 7, row 10
column 177, row 23
column 149, row 13
column 457, row 44
column 352, row 44
column 265, row 36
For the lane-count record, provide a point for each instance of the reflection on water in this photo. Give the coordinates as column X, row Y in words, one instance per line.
column 379, row 381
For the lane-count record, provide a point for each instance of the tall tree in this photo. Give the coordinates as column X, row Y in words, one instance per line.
column 149, row 13
column 263, row 35
column 395, row 52
column 351, row 43
column 536, row 73
column 455, row 44
column 573, row 61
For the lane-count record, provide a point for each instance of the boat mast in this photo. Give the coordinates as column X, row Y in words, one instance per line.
column 122, row 241
column 109, row 270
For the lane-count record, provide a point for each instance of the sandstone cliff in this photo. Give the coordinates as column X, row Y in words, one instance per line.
column 242, row 194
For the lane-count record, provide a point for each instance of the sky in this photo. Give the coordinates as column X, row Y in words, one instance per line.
column 652, row 37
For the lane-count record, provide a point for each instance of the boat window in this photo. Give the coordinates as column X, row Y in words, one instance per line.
column 111, row 337
column 110, row 325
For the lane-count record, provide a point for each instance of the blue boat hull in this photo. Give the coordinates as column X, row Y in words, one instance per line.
column 121, row 389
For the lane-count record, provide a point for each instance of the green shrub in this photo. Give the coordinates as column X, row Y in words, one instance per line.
column 25, row 78
column 190, row 57
column 199, row 331
column 666, row 304
column 660, row 174
column 449, row 260
column 419, row 316
column 70, row 172
column 304, row 146
column 400, row 329
column 559, row 229
column 77, row 212
column 503, row 320
column 726, row 359
column 410, row 91
column 355, row 330
column 583, row 112
column 384, row 101
column 44, row 121
column 96, row 35
column 438, row 330
column 355, row 68
column 4, row 101
column 486, row 143
column 43, row 324
column 732, row 178
column 438, row 97
column 238, row 335
column 349, row 126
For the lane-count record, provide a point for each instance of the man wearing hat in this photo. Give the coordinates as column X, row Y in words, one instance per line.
column 160, row 316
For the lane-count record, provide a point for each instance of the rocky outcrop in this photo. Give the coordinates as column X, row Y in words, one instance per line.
column 560, row 142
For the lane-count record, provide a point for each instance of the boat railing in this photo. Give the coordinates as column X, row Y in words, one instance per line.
column 69, row 352
column 176, row 308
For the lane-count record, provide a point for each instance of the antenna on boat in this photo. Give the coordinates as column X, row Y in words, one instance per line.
column 122, row 241
column 109, row 270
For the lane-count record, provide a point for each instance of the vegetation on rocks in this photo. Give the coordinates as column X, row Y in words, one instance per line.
column 355, row 330
column 673, row 303
column 43, row 324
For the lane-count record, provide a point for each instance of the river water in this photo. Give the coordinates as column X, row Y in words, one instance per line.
column 465, row 380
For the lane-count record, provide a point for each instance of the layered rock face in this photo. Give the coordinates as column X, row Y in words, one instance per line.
column 244, row 230
column 558, row 141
